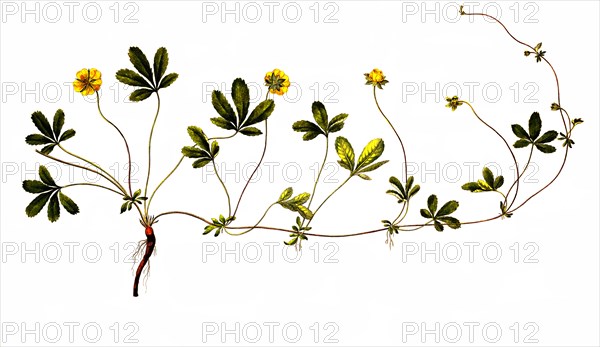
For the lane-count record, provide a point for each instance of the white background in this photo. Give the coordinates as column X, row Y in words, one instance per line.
column 368, row 294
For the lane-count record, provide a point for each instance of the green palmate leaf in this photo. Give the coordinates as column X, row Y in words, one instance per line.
column 396, row 194
column 432, row 202
column 425, row 213
column 337, row 123
column 48, row 149
column 291, row 242
column 311, row 129
column 535, row 125
column 396, row 183
column 241, row 98
column 222, row 123
column 199, row 138
column 336, row 127
column 35, row 187
column 304, row 212
column 37, row 204
column 251, row 131
column 409, row 182
column 545, row 148
column 372, row 151
column 261, row 112
column 46, row 177
column 498, row 182
column 53, row 209
column 208, row 229
column 472, row 187
column 168, row 80
column 345, row 165
column 304, row 125
column 287, row 205
column 519, row 131
column 42, row 124
column 37, row 139
column 364, row 177
column 489, row 183
column 59, row 121
column 68, row 204
column 438, row 226
column 141, row 64
column 484, row 185
column 286, row 194
column 132, row 78
column 521, row 143
column 488, row 176
column 140, row 94
column 300, row 199
column 223, row 108
column 310, row 135
column 193, row 152
column 345, row 152
column 200, row 163
column 161, row 61
column 548, row 136
column 320, row 115
column 374, row 166
column 452, row 222
column 414, row 191
column 66, row 135
column 447, row 208
column 214, row 149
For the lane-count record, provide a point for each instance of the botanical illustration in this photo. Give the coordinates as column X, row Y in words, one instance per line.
column 234, row 115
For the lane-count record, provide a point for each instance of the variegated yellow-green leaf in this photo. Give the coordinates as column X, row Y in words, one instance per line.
column 372, row 151
column 287, row 193
column 345, row 151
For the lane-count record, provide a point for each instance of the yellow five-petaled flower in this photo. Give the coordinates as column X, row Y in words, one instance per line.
column 277, row 81
column 376, row 78
column 453, row 102
column 88, row 81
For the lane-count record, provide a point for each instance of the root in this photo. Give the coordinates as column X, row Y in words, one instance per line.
column 149, row 246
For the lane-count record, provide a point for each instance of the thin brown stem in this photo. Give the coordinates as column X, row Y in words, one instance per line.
column 124, row 192
column 262, row 157
column 93, row 185
column 327, row 198
column 84, row 168
column 124, row 140
column 518, row 179
column 517, row 174
column 418, row 226
column 184, row 213
column 558, row 100
column 112, row 179
column 224, row 187
column 314, row 234
column 254, row 226
column 395, row 132
column 177, row 166
column 150, row 152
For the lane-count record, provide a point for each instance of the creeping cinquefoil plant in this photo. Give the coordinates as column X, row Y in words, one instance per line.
column 234, row 115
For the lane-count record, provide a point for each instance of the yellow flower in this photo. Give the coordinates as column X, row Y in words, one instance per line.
column 88, row 81
column 277, row 81
column 376, row 78
column 453, row 102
